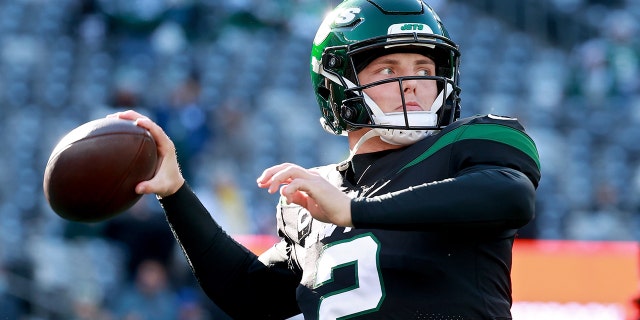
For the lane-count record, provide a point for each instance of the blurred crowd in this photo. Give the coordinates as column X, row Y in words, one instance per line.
column 229, row 82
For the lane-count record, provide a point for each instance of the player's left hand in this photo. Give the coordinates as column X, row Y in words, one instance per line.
column 310, row 190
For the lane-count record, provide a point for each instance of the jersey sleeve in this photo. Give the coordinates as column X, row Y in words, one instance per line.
column 234, row 278
column 481, row 198
column 492, row 171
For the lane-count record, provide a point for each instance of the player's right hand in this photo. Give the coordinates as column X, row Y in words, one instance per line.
column 168, row 178
column 307, row 188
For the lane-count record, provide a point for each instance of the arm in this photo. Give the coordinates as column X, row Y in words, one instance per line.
column 232, row 276
column 485, row 197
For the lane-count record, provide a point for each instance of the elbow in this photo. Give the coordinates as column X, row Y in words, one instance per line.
column 520, row 202
column 523, row 213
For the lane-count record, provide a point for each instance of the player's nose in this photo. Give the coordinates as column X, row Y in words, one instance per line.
column 409, row 85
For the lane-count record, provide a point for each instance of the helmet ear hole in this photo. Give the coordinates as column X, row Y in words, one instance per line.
column 353, row 112
column 348, row 113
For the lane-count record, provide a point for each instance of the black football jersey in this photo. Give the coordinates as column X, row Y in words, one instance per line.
column 427, row 264
column 434, row 224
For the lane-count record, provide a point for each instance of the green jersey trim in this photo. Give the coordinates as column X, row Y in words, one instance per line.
column 494, row 132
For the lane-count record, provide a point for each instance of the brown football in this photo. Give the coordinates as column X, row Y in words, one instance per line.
column 92, row 172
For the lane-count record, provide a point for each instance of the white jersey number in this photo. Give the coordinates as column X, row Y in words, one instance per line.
column 367, row 294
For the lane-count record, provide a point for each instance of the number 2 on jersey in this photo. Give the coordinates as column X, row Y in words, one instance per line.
column 368, row 292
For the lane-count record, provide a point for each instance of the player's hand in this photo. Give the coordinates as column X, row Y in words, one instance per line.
column 310, row 190
column 168, row 178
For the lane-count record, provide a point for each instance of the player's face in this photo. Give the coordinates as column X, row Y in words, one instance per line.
column 418, row 94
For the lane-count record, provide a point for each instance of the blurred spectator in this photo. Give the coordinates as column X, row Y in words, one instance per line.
column 186, row 121
column 224, row 199
column 13, row 291
column 609, row 64
column 605, row 221
column 149, row 297
column 591, row 74
column 10, row 307
column 89, row 309
column 195, row 306
column 624, row 51
column 143, row 234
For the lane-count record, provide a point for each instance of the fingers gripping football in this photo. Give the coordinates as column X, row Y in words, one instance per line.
column 168, row 178
column 310, row 190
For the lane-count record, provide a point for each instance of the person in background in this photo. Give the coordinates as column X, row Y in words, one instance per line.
column 149, row 298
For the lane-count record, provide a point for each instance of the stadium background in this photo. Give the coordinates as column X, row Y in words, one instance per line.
column 229, row 82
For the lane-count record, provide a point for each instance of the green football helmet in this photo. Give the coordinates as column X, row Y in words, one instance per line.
column 358, row 31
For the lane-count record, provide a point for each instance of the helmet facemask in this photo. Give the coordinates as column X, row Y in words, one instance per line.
column 400, row 127
column 358, row 110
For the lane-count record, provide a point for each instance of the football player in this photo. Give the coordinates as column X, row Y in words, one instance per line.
column 417, row 223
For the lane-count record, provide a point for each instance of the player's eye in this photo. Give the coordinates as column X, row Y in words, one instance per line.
column 386, row 71
column 425, row 72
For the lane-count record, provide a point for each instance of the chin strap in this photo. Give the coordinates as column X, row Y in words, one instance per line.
column 344, row 164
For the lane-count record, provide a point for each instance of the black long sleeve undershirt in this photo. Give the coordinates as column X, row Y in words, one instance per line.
column 230, row 274
column 486, row 197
